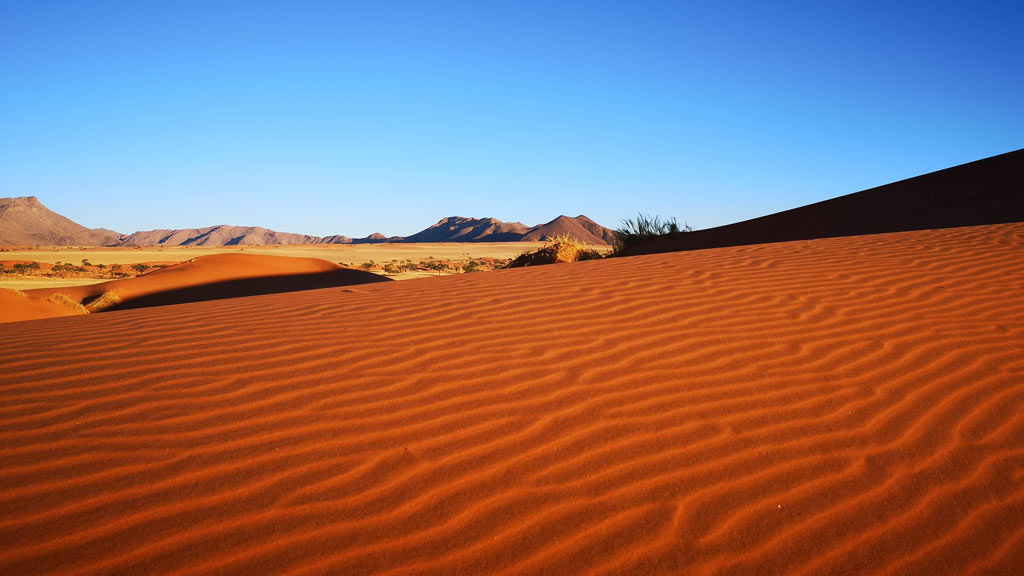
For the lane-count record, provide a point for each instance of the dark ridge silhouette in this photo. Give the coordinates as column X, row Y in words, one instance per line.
column 247, row 287
column 462, row 229
column 989, row 191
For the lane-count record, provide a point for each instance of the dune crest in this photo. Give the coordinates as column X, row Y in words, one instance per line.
column 835, row 406
column 203, row 278
column 988, row 191
column 16, row 306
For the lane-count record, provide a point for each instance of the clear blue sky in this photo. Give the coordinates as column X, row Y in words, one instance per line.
column 342, row 117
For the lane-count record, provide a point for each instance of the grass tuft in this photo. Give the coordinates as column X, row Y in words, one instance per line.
column 562, row 248
column 67, row 302
column 645, row 227
column 103, row 302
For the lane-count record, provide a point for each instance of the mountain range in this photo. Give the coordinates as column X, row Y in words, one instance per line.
column 26, row 221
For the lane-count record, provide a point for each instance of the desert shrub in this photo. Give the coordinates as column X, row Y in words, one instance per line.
column 140, row 268
column 367, row 265
column 645, row 227
column 103, row 302
column 471, row 266
column 562, row 248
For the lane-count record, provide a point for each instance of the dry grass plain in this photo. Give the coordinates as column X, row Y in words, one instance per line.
column 346, row 254
column 352, row 255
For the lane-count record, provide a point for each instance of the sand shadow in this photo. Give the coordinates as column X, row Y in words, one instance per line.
column 247, row 287
column 983, row 192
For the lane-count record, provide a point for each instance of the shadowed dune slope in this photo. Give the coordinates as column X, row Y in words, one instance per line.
column 834, row 406
column 989, row 191
column 218, row 276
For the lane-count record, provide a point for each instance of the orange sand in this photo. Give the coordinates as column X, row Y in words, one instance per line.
column 835, row 406
column 203, row 278
column 15, row 307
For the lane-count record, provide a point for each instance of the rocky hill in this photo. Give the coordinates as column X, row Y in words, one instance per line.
column 216, row 236
column 26, row 222
column 580, row 228
column 461, row 229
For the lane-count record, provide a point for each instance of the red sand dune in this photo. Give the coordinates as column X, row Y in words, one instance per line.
column 17, row 306
column 989, row 191
column 214, row 277
column 836, row 406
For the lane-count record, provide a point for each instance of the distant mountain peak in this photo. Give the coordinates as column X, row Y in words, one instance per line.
column 26, row 221
column 464, row 229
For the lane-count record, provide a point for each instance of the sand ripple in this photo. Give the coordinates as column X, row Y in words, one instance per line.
column 835, row 406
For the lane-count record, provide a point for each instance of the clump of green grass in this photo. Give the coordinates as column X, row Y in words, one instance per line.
column 645, row 227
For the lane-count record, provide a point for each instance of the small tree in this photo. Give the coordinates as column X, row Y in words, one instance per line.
column 140, row 268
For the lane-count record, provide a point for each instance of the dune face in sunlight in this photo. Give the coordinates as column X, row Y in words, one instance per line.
column 835, row 406
column 16, row 306
column 203, row 278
